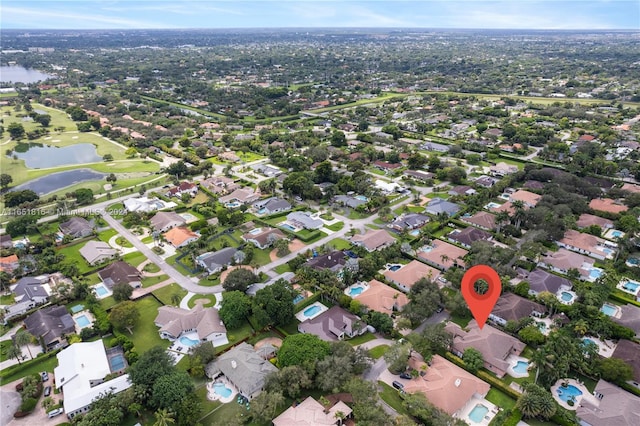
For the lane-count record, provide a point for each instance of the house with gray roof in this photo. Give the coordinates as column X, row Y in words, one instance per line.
column 254, row 288
column 629, row 352
column 205, row 322
column 77, row 227
column 163, row 221
column 373, row 240
column 439, row 205
column 96, row 252
column 120, row 273
column 613, row 406
column 349, row 201
column 267, row 169
column 334, row 261
column 50, row 325
column 271, row 206
column 34, row 289
column 213, row 262
column 630, row 318
column 6, row 241
column 409, row 221
column 304, row 220
column 468, row 236
column 263, row 237
column 540, row 280
column 244, row 368
column 511, row 307
column 334, row 324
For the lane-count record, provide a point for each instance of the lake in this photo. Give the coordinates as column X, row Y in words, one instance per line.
column 60, row 180
column 38, row 156
column 18, row 74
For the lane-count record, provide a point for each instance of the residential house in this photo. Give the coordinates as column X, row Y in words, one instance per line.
column 204, row 322
column 255, row 287
column 263, row 237
column 96, row 252
column 80, row 374
column 9, row 263
column 380, row 297
column 439, row 205
column 629, row 352
column 494, row 345
column 533, row 184
column 334, row 324
column 76, row 227
column 443, row 255
column 241, row 195
column 481, row 219
column 304, row 220
column 311, row 413
column 214, row 262
column 563, row 261
column 267, row 170
column 120, row 273
column 220, row 185
column 540, row 281
column 271, row 205
column 511, row 307
column 408, row 221
column 409, row 274
column 183, row 188
column 630, row 318
column 180, row 236
column 5, row 241
column 445, row 385
column 387, row 187
column 243, row 367
column 229, row 156
column 163, row 221
column 607, row 205
column 585, row 220
column 461, row 190
column 349, row 201
column 588, row 244
column 373, row 240
column 419, row 175
column 614, row 407
column 29, row 293
column 529, row 199
column 502, row 169
column 50, row 325
column 146, row 205
column 468, row 236
column 385, row 166
column 486, row 181
column 334, row 261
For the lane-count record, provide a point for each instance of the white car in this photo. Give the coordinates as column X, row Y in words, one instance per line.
column 56, row 412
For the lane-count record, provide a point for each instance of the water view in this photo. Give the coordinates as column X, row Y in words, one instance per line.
column 18, row 74
column 38, row 156
column 57, row 181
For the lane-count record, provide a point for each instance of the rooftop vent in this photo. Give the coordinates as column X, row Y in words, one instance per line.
column 458, row 381
column 233, row 364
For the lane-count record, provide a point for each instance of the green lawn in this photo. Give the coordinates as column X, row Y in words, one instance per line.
column 336, row 226
column 107, row 235
column 123, row 242
column 7, row 299
column 149, row 281
column 210, row 297
column 358, row 340
column 134, row 258
column 378, row 351
column 501, row 399
column 282, row 269
column 392, row 397
column 357, row 215
column 151, row 267
column 236, row 335
column 72, row 256
column 145, row 333
column 340, row 244
column 210, row 281
column 164, row 294
column 261, row 257
column 108, row 302
column 30, row 367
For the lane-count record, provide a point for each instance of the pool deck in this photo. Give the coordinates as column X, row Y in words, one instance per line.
column 87, row 314
column 109, row 293
column 513, row 359
column 585, row 394
column 301, row 317
column 364, row 286
column 213, row 396
column 566, row 302
column 605, row 348
column 466, row 410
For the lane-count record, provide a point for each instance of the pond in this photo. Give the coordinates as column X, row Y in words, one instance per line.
column 38, row 156
column 18, row 74
column 57, row 181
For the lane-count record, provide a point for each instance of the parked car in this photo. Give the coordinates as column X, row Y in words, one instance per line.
column 55, row 412
column 44, row 375
column 47, row 391
column 440, row 309
column 398, row 385
column 405, row 375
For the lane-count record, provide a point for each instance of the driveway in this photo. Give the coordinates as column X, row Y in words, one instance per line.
column 9, row 396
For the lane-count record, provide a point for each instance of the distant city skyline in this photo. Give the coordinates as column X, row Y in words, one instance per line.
column 170, row 14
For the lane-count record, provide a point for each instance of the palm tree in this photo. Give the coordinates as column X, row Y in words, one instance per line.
column 14, row 351
column 163, row 418
column 518, row 206
column 175, row 299
column 540, row 359
column 340, row 416
column 23, row 338
column 501, row 218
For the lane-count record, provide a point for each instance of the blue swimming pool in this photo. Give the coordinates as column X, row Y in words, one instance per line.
column 595, row 273
column 361, row 198
column 354, row 291
column 631, row 286
column 116, row 362
column 566, row 296
column 262, row 211
column 633, row 261
column 222, row 390
column 188, row 342
column 608, row 309
column 616, row 234
column 287, row 226
column 311, row 311
column 570, row 392
column 586, row 342
column 521, row 367
column 101, row 290
column 82, row 321
column 394, row 267
column 477, row 414
column 299, row 298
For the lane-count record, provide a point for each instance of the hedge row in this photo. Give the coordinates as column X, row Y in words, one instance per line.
column 17, row 367
column 620, row 296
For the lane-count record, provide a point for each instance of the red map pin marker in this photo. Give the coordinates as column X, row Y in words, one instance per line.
column 481, row 305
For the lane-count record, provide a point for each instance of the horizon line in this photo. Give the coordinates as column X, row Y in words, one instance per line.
column 321, row 28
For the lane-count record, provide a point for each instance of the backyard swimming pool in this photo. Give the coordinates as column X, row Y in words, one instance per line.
column 287, row 226
column 477, row 414
column 222, row 390
column 566, row 296
column 262, row 211
column 608, row 309
column 492, row 205
column 361, row 198
column 394, row 267
column 188, row 342
column 570, row 392
column 521, row 367
column 101, row 290
column 299, row 298
column 116, row 362
column 232, row 205
column 82, row 321
column 631, row 286
column 595, row 273
column 311, row 311
column 354, row 291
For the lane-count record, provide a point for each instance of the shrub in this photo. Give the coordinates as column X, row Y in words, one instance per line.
column 28, row 405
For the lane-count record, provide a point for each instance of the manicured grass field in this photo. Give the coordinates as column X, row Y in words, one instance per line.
column 358, row 340
column 72, row 256
column 210, row 297
column 151, row 268
column 32, row 367
column 164, row 294
column 261, row 257
column 149, row 281
column 392, row 397
column 134, row 258
column 106, row 235
column 501, row 399
column 236, row 335
column 336, row 226
column 282, row 269
column 145, row 333
column 340, row 244
column 378, row 351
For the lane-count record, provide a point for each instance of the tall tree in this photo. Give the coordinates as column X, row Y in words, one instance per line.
column 124, row 315
column 163, row 418
column 24, row 338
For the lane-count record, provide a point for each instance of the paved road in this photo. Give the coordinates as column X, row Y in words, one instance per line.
column 433, row 319
column 183, row 281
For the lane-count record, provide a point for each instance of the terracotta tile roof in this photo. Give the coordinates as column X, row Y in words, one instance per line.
column 382, row 298
column 607, row 205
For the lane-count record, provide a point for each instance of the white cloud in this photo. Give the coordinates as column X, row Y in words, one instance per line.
column 37, row 18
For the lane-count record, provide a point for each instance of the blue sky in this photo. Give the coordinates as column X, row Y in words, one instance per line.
column 517, row 14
